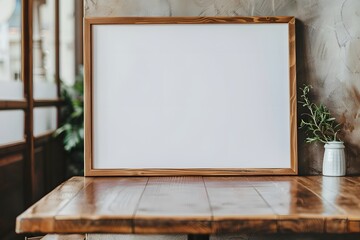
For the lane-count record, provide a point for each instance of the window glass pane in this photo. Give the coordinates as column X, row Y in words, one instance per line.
column 11, row 90
column 11, row 87
column 44, row 120
column 67, row 41
column 45, row 90
column 11, row 126
column 44, row 49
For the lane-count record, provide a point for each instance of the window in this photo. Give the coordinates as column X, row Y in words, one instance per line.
column 11, row 87
column 29, row 104
column 44, row 50
column 11, row 126
column 31, row 160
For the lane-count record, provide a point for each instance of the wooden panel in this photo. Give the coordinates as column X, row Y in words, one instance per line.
column 40, row 218
column 39, row 178
column 12, row 148
column 48, row 103
column 99, row 205
column 27, row 77
column 173, row 205
column 11, row 191
column 12, row 105
column 230, row 214
column 44, row 138
column 50, row 156
column 50, row 163
column 55, row 161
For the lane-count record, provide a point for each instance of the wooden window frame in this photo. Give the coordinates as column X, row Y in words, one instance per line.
column 27, row 145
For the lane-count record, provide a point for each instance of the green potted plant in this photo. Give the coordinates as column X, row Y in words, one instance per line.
column 321, row 127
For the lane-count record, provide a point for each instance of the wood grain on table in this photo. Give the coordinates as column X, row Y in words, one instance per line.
column 198, row 205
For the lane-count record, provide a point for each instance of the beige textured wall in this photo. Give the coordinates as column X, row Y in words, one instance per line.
column 328, row 52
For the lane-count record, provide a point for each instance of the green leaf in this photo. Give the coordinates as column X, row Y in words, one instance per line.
column 317, row 120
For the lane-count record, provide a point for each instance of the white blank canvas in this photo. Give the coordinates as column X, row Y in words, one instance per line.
column 191, row 96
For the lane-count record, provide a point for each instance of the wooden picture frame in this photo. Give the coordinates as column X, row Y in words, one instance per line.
column 94, row 30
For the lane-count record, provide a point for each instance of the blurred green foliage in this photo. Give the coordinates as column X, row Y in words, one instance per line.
column 72, row 125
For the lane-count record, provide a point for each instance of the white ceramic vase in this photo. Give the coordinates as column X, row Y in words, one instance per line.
column 334, row 163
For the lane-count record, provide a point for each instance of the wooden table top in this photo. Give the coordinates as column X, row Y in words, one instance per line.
column 198, row 205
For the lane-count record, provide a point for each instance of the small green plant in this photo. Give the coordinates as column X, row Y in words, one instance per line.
column 317, row 120
column 72, row 128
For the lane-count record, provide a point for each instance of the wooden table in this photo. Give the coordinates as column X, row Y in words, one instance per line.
column 198, row 206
